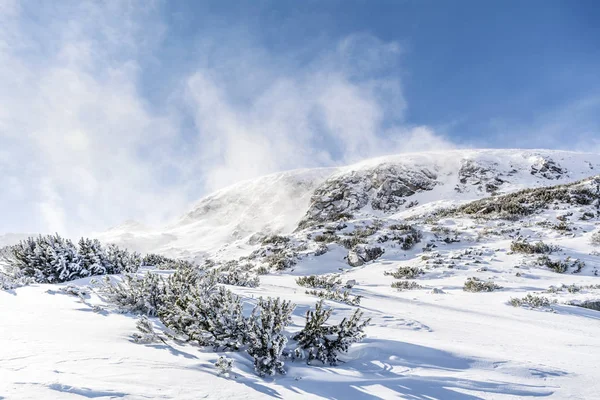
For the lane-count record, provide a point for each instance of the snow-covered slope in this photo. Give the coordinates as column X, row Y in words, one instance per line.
column 378, row 187
column 427, row 223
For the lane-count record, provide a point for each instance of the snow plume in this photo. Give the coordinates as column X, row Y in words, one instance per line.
column 83, row 146
column 340, row 107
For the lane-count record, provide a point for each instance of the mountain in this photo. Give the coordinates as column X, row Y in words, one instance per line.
column 380, row 187
column 479, row 272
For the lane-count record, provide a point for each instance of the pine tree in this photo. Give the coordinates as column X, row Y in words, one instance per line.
column 266, row 340
column 136, row 294
column 93, row 257
column 325, row 342
column 208, row 314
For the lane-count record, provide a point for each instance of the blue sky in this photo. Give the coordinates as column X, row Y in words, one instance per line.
column 134, row 109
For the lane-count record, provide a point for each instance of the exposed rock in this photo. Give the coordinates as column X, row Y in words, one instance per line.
column 384, row 187
column 548, row 169
column 350, row 283
column 362, row 254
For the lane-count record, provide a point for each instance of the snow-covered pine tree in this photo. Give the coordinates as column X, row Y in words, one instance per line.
column 121, row 260
column 312, row 337
column 208, row 314
column 93, row 257
column 266, row 340
column 325, row 342
column 47, row 259
column 136, row 294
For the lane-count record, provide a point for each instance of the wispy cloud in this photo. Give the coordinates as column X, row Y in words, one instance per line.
column 82, row 148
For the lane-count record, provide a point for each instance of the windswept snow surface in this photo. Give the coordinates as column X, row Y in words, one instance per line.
column 437, row 342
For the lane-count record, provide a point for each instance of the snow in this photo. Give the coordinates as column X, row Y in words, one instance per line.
column 438, row 342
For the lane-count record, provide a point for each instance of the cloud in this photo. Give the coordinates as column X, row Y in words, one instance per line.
column 83, row 148
column 344, row 105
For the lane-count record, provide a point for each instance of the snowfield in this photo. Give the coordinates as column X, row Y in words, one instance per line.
column 436, row 341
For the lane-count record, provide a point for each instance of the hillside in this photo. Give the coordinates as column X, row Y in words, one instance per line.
column 478, row 269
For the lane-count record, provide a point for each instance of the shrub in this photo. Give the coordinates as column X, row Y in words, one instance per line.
column 326, row 237
column 520, row 246
column 280, row 261
column 136, row 294
column 411, row 272
column 319, row 282
column 595, row 239
column 343, row 296
column 532, row 301
column 266, row 340
column 224, row 365
column 406, row 285
column 477, row 285
column 561, row 266
column 352, row 242
column 195, row 307
column 146, row 334
column 121, row 260
column 275, row 239
column 239, row 278
column 48, row 259
column 323, row 342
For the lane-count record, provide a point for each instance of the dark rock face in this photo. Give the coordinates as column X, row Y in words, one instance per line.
column 548, row 169
column 484, row 176
column 384, row 187
column 362, row 254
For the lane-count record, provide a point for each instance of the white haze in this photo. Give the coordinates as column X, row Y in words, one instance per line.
column 82, row 149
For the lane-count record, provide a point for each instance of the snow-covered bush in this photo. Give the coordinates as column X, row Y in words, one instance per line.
column 121, row 260
column 195, row 307
column 224, row 365
column 326, row 237
column 532, row 301
column 239, row 278
column 275, row 240
column 281, row 260
column 266, row 339
column 520, row 246
column 92, row 257
column 319, row 282
column 406, row 285
column 136, row 294
column 146, row 333
column 343, row 296
column 52, row 259
column 48, row 259
column 477, row 285
column 595, row 239
column 410, row 272
column 323, row 342
column 561, row 266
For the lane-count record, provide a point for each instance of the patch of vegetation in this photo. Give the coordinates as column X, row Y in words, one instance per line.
column 319, row 282
column 406, row 285
column 411, row 272
column 526, row 202
column 343, row 296
column 326, row 237
column 281, row 260
column 275, row 240
column 520, row 246
column 352, row 241
column 561, row 266
column 595, row 239
column 571, row 288
column 589, row 304
column 53, row 259
column 531, row 301
column 477, row 285
column 324, row 342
